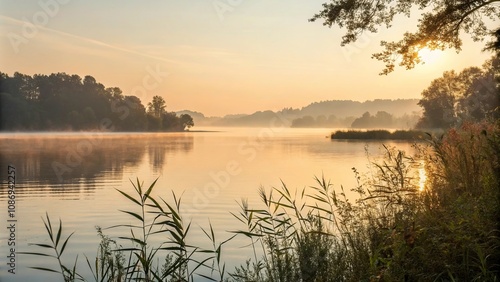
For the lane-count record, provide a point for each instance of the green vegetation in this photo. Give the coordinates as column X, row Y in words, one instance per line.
column 395, row 225
column 171, row 260
column 471, row 95
column 68, row 102
column 383, row 119
column 391, row 227
column 452, row 100
column 411, row 135
column 440, row 24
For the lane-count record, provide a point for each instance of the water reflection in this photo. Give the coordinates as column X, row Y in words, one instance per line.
column 422, row 176
column 79, row 163
column 158, row 149
column 345, row 148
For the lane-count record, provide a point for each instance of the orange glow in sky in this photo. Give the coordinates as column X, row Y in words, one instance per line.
column 217, row 56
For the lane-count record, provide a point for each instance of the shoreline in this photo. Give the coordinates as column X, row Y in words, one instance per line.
column 379, row 134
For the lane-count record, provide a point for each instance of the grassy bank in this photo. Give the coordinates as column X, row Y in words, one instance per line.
column 411, row 135
column 398, row 228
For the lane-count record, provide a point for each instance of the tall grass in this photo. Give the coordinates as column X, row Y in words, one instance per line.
column 390, row 230
column 394, row 230
column 320, row 234
column 461, row 210
column 171, row 260
column 55, row 249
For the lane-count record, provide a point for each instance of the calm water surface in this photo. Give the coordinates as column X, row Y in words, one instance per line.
column 73, row 176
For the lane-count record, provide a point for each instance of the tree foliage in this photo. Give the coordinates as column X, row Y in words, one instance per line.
column 471, row 95
column 439, row 27
column 186, row 121
column 381, row 120
column 157, row 106
column 60, row 101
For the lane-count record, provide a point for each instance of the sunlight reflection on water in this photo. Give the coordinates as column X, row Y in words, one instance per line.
column 422, row 176
column 83, row 194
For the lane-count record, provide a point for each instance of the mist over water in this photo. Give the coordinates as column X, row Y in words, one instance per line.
column 74, row 176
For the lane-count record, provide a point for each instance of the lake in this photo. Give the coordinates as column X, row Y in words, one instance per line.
column 74, row 177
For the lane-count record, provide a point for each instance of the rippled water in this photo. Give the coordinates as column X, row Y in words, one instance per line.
column 73, row 176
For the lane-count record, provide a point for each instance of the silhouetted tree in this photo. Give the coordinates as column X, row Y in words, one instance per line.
column 153, row 123
column 439, row 26
column 67, row 102
column 157, row 106
column 438, row 101
column 482, row 97
column 321, row 120
column 381, row 119
column 186, row 121
column 76, row 120
column 306, row 121
column 171, row 122
column 136, row 119
column 469, row 95
column 89, row 118
column 365, row 121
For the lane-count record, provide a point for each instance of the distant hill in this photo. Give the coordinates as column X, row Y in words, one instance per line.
column 256, row 119
column 344, row 111
column 199, row 118
column 346, row 108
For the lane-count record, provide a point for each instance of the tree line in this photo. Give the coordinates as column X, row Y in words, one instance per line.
column 381, row 119
column 470, row 95
column 60, row 101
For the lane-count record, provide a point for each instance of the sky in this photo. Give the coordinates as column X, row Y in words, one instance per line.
column 217, row 57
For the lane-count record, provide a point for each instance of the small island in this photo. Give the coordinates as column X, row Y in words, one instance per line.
column 410, row 135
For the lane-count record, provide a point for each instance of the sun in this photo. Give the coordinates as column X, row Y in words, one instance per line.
column 428, row 56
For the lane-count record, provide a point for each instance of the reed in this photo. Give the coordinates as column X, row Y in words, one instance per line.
column 388, row 228
column 55, row 250
column 394, row 230
column 171, row 260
